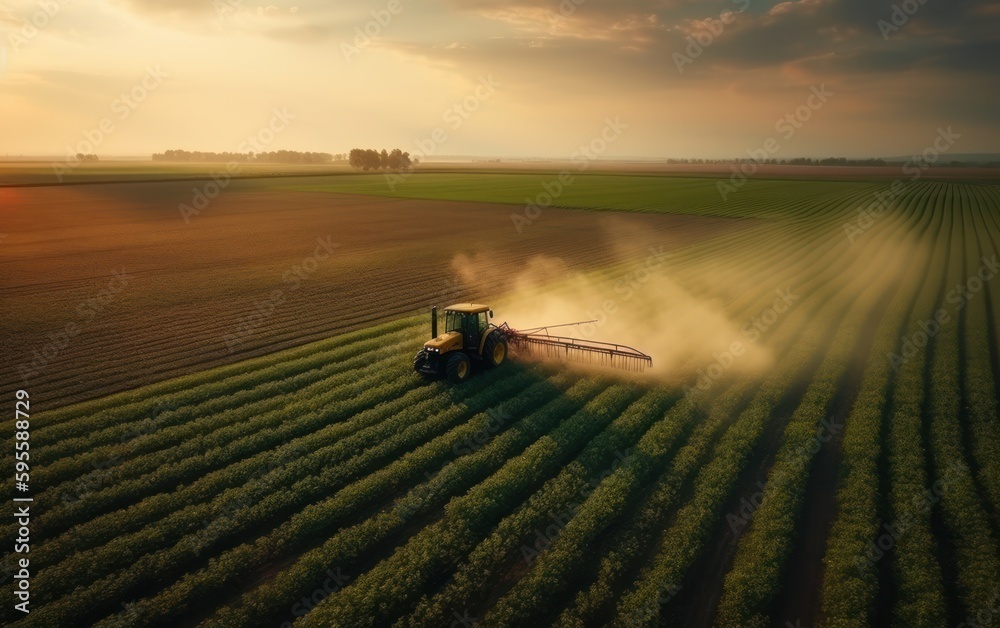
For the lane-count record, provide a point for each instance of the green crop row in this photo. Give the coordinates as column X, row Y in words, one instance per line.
column 539, row 521
column 969, row 530
column 132, row 459
column 906, row 540
column 331, row 415
column 91, row 518
column 630, row 542
column 557, row 565
column 297, row 482
column 270, row 386
column 684, row 540
column 762, row 552
column 393, row 585
column 83, row 417
column 199, row 588
column 274, row 599
column 713, row 486
column 979, row 387
column 850, row 583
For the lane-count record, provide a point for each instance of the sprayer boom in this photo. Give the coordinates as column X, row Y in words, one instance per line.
column 535, row 342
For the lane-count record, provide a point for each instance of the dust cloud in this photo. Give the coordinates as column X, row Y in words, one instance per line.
column 639, row 305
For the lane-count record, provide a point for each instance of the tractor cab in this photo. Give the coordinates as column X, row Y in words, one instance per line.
column 470, row 320
column 468, row 335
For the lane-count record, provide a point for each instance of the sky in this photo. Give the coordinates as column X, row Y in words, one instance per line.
column 505, row 78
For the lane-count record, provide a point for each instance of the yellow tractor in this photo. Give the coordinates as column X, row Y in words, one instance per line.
column 468, row 337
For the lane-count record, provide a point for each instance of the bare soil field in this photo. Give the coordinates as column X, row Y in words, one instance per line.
column 115, row 290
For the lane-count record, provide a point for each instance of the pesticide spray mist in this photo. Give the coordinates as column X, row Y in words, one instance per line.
column 639, row 305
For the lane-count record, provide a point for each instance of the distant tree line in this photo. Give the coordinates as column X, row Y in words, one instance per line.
column 86, row 157
column 798, row 161
column 828, row 161
column 371, row 159
column 275, row 156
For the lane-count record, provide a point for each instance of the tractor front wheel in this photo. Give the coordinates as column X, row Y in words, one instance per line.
column 495, row 350
column 459, row 368
column 420, row 361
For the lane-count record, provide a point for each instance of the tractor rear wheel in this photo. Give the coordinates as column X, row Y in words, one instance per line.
column 495, row 350
column 459, row 368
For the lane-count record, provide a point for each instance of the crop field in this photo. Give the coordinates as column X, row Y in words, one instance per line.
column 817, row 442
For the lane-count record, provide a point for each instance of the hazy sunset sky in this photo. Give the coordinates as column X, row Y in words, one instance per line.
column 558, row 72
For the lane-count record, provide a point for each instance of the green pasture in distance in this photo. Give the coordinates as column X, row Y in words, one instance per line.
column 641, row 193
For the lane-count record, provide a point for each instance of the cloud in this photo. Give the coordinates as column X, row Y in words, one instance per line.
column 174, row 7
column 301, row 33
column 825, row 36
column 287, row 22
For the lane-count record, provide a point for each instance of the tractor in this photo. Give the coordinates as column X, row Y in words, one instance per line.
column 468, row 337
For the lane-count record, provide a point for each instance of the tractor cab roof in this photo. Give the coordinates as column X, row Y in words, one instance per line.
column 467, row 308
